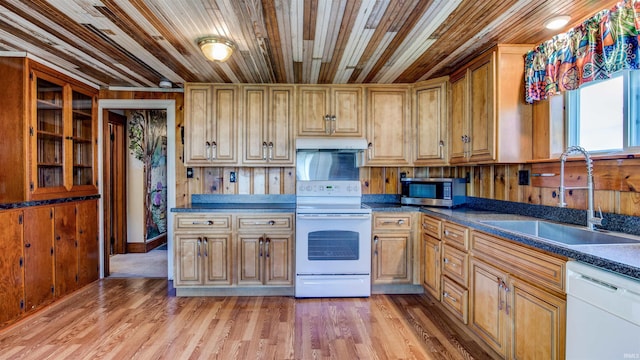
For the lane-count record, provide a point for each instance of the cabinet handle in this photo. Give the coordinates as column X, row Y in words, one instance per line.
column 208, row 222
column 446, row 295
column 260, row 242
column 369, row 150
column 270, row 150
column 398, row 222
column 506, row 292
column 207, row 147
column 375, row 243
column 441, row 148
column 199, row 245
column 333, row 124
column 327, row 124
column 206, row 247
column 214, row 150
column 266, row 247
column 264, row 150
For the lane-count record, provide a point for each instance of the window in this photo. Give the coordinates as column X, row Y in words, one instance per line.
column 604, row 116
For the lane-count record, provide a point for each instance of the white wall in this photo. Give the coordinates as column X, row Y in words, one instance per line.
column 135, row 199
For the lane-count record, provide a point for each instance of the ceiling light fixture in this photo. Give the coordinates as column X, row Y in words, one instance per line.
column 165, row 84
column 216, row 49
column 557, row 22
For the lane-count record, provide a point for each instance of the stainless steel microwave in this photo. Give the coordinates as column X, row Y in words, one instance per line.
column 446, row 192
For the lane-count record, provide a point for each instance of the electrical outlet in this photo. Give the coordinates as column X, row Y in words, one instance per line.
column 189, row 173
column 232, row 176
column 523, row 177
column 403, row 175
column 467, row 177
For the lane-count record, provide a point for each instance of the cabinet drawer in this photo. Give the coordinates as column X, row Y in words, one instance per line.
column 455, row 264
column 456, row 235
column 432, row 226
column 392, row 221
column 203, row 221
column 265, row 222
column 455, row 299
column 528, row 264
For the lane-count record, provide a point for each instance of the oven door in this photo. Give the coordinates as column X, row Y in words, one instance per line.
column 333, row 244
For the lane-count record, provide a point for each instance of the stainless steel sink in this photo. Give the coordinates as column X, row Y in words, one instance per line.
column 566, row 234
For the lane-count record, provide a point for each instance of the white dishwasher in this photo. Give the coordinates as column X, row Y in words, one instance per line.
column 603, row 314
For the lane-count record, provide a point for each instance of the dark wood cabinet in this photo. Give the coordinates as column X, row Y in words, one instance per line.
column 38, row 256
column 88, row 245
column 66, row 249
column 49, row 133
column 11, row 261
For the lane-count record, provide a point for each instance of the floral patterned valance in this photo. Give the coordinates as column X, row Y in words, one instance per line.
column 594, row 50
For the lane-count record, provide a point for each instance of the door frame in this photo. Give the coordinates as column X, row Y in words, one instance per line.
column 170, row 107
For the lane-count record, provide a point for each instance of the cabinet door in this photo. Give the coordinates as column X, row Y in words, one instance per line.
column 84, row 137
column 197, row 119
column 224, row 127
column 254, row 143
column 38, row 256
column 314, row 107
column 388, row 123
column 12, row 279
column 481, row 110
column 66, row 249
column 391, row 258
column 51, row 144
column 188, row 251
column 280, row 149
column 431, row 273
column 430, row 125
column 278, row 261
column 88, row 245
column 217, row 256
column 250, row 253
column 489, row 305
column 457, row 150
column 347, row 111
column 539, row 320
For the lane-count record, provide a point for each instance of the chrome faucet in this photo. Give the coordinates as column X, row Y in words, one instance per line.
column 591, row 219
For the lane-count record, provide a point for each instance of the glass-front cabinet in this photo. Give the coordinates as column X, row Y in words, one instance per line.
column 65, row 139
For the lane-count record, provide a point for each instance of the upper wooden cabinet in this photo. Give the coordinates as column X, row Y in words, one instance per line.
column 268, row 113
column 49, row 133
column 388, row 126
column 430, row 120
column 330, row 111
column 211, row 124
column 490, row 121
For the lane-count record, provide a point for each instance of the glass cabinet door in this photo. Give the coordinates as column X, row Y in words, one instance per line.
column 82, row 122
column 49, row 134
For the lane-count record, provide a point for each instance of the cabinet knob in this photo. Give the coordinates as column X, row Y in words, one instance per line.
column 271, row 222
column 27, row 245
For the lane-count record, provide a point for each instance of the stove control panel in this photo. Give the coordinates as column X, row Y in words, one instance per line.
column 328, row 188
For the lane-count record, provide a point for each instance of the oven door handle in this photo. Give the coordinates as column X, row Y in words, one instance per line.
column 333, row 217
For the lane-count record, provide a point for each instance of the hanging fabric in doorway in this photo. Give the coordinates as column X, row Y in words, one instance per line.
column 148, row 143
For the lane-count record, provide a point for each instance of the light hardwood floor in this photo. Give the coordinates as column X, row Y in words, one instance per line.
column 119, row 318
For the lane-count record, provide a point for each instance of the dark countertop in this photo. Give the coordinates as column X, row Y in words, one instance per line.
column 620, row 258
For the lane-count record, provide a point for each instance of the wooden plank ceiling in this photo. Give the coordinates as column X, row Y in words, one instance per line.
column 136, row 43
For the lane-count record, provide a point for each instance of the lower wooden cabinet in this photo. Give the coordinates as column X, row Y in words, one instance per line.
column 515, row 301
column 11, row 261
column 203, row 259
column 46, row 252
column 233, row 250
column 38, row 256
column 392, row 248
column 431, row 249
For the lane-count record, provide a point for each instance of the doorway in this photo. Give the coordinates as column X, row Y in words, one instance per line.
column 113, row 220
column 114, row 186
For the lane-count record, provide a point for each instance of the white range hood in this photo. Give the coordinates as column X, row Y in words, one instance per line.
column 331, row 144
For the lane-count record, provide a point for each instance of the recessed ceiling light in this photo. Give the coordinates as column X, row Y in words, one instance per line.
column 557, row 22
